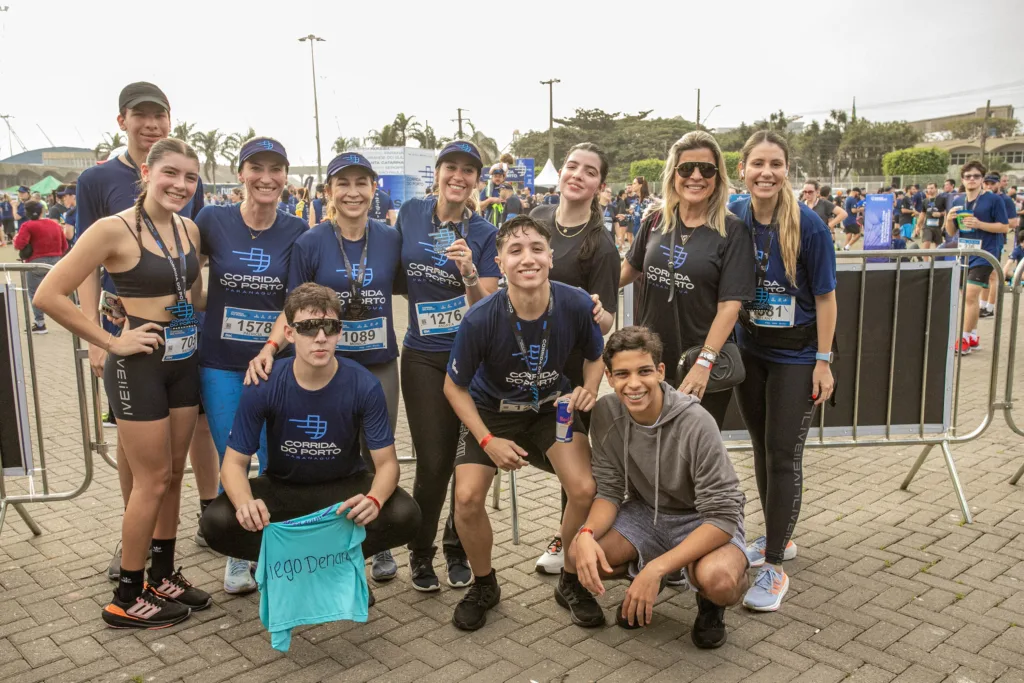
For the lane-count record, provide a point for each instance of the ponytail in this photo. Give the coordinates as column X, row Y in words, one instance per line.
column 138, row 207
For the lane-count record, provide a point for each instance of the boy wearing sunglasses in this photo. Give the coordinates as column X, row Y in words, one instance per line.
column 979, row 219
column 314, row 406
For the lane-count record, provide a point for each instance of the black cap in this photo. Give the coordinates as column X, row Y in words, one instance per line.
column 134, row 94
column 348, row 159
column 461, row 147
column 992, row 178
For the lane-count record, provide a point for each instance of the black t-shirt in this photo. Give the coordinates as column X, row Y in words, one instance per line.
column 824, row 208
column 513, row 208
column 936, row 203
column 55, row 212
column 906, row 203
column 709, row 268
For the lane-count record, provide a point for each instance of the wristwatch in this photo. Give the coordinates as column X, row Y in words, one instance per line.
column 827, row 357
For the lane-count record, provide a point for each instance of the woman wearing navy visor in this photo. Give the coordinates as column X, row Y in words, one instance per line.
column 448, row 262
column 151, row 373
column 785, row 338
column 248, row 247
column 357, row 257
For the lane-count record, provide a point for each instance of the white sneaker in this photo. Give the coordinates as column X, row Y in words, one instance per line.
column 552, row 561
column 237, row 577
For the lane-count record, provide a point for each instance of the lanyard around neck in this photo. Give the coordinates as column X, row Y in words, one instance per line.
column 517, row 330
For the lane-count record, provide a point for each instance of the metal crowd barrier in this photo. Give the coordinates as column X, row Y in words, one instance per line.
column 1016, row 284
column 18, row 502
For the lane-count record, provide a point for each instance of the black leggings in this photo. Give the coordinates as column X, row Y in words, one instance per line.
column 434, row 428
column 394, row 526
column 777, row 395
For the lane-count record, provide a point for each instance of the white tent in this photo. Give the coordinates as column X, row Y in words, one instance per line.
column 548, row 177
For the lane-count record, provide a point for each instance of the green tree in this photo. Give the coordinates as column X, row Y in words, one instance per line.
column 404, row 128
column 233, row 145
column 183, row 131
column 915, row 161
column 650, row 169
column 426, row 137
column 971, row 129
column 210, row 146
column 108, row 145
column 385, row 137
column 343, row 144
column 732, row 161
column 488, row 146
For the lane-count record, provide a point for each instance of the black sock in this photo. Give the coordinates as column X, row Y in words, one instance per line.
column 487, row 579
column 203, row 504
column 163, row 559
column 568, row 577
column 129, row 586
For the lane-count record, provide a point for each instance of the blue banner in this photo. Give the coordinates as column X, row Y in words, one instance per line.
column 521, row 174
column 878, row 211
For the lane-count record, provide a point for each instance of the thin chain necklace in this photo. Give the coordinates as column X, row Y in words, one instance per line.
column 564, row 232
column 253, row 234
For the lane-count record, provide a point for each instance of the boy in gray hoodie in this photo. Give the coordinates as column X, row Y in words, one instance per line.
column 668, row 498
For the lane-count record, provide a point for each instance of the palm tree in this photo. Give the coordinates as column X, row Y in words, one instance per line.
column 405, row 127
column 426, row 137
column 209, row 145
column 233, row 145
column 183, row 131
column 108, row 145
column 385, row 137
column 489, row 151
column 343, row 144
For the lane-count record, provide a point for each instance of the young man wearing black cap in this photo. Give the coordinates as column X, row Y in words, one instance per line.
column 104, row 190
column 66, row 196
column 851, row 228
column 994, row 183
column 24, row 196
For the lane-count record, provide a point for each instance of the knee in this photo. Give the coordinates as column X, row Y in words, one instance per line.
column 218, row 521
column 156, row 483
column 722, row 586
column 403, row 512
column 581, row 491
column 468, row 500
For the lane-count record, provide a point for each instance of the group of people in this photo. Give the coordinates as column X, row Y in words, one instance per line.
column 287, row 350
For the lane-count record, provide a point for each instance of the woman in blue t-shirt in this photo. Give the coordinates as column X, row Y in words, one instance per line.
column 785, row 337
column 248, row 247
column 357, row 257
column 448, row 253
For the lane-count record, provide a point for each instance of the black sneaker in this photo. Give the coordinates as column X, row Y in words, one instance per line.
column 38, row 329
column 371, row 601
column 421, row 566
column 459, row 573
column 583, row 608
column 471, row 612
column 708, row 630
column 148, row 611
column 622, row 621
column 177, row 588
column 983, row 313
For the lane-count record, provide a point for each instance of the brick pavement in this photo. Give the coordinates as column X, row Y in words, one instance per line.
column 888, row 585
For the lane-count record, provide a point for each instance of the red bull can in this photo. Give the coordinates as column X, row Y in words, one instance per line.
column 563, row 417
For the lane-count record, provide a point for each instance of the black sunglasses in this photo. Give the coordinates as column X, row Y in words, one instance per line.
column 707, row 169
column 312, row 327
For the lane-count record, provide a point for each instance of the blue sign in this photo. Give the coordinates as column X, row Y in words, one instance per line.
column 522, row 174
column 878, row 211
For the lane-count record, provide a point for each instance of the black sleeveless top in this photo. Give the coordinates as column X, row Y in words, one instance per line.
column 152, row 276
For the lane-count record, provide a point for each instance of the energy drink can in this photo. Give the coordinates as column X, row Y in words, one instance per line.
column 961, row 214
column 563, row 417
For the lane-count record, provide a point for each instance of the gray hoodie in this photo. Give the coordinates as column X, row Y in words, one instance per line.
column 679, row 465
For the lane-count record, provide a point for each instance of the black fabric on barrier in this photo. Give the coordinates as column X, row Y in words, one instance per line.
column 10, row 445
column 879, row 300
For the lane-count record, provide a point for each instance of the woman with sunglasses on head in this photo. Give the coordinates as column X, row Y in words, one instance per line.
column 248, row 247
column 786, row 343
column 151, row 373
column 358, row 257
column 695, row 263
column 448, row 263
column 584, row 256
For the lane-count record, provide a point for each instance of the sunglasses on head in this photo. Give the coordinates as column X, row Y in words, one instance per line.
column 707, row 169
column 312, row 327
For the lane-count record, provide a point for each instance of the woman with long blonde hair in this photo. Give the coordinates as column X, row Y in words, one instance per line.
column 786, row 342
column 695, row 263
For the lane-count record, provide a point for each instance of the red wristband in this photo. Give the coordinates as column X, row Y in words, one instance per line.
column 486, row 440
column 273, row 343
column 586, row 530
column 374, row 501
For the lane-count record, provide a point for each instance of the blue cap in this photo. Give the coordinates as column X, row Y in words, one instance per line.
column 260, row 145
column 66, row 190
column 992, row 178
column 24, row 189
column 461, row 147
column 347, row 160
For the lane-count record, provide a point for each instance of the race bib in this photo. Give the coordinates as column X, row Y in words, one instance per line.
column 775, row 311
column 363, row 335
column 180, row 343
column 243, row 324
column 441, row 317
column 968, row 243
column 510, row 406
column 931, row 222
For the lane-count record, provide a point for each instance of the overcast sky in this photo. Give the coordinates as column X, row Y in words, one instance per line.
column 230, row 65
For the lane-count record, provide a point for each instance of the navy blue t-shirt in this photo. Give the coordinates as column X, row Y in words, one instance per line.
column 70, row 217
column 851, row 218
column 313, row 436
column 6, row 212
column 317, row 258
column 318, row 210
column 487, row 360
column 437, row 297
column 987, row 207
column 380, row 205
column 778, row 303
column 246, row 286
column 1017, row 254
column 1011, row 208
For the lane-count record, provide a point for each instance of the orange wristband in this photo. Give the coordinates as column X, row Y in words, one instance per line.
column 273, row 343
column 374, row 501
column 486, row 440
column 586, row 530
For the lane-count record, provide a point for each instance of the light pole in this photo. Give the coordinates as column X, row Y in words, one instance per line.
column 316, row 109
column 708, row 116
column 551, row 116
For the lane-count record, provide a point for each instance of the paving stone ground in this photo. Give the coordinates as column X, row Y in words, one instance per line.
column 888, row 585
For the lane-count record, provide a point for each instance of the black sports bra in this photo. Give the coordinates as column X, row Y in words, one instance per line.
column 153, row 276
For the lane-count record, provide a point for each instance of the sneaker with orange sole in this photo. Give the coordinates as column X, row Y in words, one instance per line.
column 148, row 611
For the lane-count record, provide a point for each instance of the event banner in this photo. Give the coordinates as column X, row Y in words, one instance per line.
column 878, row 210
column 522, row 174
column 403, row 172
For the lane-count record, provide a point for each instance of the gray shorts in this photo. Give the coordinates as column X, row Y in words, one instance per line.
column 635, row 521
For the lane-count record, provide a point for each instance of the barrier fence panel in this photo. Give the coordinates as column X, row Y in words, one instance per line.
column 20, row 455
column 1016, row 284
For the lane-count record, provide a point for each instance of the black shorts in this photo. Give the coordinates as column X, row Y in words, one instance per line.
column 851, row 229
column 533, row 432
column 933, row 235
column 979, row 275
column 143, row 387
column 9, row 227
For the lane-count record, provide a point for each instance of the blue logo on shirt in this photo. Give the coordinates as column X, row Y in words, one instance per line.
column 369, row 274
column 761, row 296
column 314, row 427
column 255, row 258
column 679, row 258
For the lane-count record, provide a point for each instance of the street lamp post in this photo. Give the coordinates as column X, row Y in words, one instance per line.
column 708, row 116
column 316, row 108
column 551, row 116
